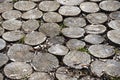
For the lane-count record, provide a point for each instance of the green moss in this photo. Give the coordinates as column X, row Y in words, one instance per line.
column 40, row 21
column 62, row 25
column 22, row 40
column 83, row 50
column 115, row 78
column 14, row 0
column 24, row 79
column 117, row 50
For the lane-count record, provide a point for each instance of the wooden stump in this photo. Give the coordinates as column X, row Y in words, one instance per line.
column 95, row 29
column 2, row 44
column 56, row 40
column 1, row 76
column 49, row 5
column 30, row 25
column 32, row 14
column 58, row 49
column 74, row 22
column 70, row 2
column 20, row 53
column 97, row 67
column 110, row 5
column 5, row 7
column 113, row 35
column 40, row 76
column 3, row 59
column 89, row 7
column 97, row 18
column 50, row 29
column 94, row 39
column 114, row 24
column 11, row 14
column 63, row 73
column 75, row 44
column 45, row 62
column 12, row 36
column 113, row 68
column 1, row 31
column 115, row 15
column 101, row 51
column 73, row 32
column 24, row 5
column 77, row 59
column 12, row 24
column 69, row 10
column 35, row 38
column 48, row 17
column 17, row 70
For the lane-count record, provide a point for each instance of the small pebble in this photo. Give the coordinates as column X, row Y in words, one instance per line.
column 24, row 5
column 17, row 70
column 89, row 7
column 101, row 51
column 2, row 44
column 20, row 53
column 45, row 62
column 30, row 25
column 52, row 17
column 73, row 32
column 113, row 35
column 12, row 24
column 50, row 29
column 49, row 5
column 12, row 36
column 32, row 14
column 96, row 18
column 58, row 49
column 75, row 44
column 94, row 39
column 3, row 59
column 109, row 5
column 77, row 59
column 34, row 38
column 69, row 10
column 95, row 29
column 74, row 22
column 11, row 14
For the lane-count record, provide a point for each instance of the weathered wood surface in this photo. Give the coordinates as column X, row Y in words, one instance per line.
column 59, row 39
